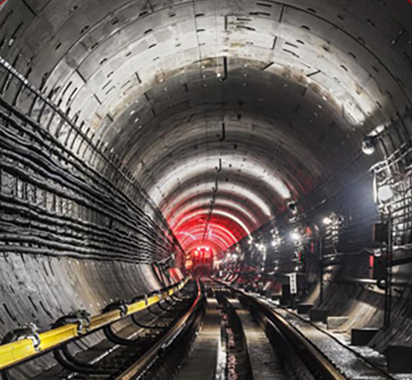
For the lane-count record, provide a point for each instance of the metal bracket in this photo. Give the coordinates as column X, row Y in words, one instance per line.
column 222, row 78
column 80, row 317
column 219, row 168
column 223, row 132
column 27, row 331
column 119, row 305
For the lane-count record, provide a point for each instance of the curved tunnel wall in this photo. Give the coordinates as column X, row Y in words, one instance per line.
column 224, row 112
column 74, row 234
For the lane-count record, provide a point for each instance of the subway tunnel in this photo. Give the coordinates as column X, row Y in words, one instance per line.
column 260, row 146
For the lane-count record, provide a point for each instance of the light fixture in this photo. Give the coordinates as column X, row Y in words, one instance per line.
column 296, row 236
column 293, row 207
column 327, row 220
column 368, row 145
column 377, row 253
column 385, row 193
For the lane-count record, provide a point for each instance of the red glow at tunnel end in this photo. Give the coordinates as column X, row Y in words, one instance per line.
column 194, row 231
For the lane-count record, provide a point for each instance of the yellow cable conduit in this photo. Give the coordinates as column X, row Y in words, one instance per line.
column 21, row 350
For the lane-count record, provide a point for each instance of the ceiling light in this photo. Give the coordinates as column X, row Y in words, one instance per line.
column 377, row 253
column 327, row 220
column 385, row 193
column 368, row 145
column 296, row 236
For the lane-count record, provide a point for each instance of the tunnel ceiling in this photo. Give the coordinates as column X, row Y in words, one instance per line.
column 220, row 151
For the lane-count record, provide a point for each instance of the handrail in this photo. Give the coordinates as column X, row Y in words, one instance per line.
column 16, row 352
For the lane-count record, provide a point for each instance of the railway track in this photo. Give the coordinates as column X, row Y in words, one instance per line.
column 261, row 343
column 372, row 367
column 208, row 331
column 323, row 354
column 122, row 343
column 239, row 341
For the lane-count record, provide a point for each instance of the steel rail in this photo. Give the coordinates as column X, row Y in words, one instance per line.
column 338, row 341
column 148, row 359
column 309, row 354
column 21, row 350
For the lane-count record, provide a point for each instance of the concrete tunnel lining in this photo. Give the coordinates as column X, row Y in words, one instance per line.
column 306, row 81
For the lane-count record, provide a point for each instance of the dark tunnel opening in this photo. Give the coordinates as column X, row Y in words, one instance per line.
column 266, row 144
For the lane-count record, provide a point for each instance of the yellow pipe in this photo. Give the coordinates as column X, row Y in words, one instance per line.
column 16, row 352
column 104, row 319
column 135, row 307
column 49, row 338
